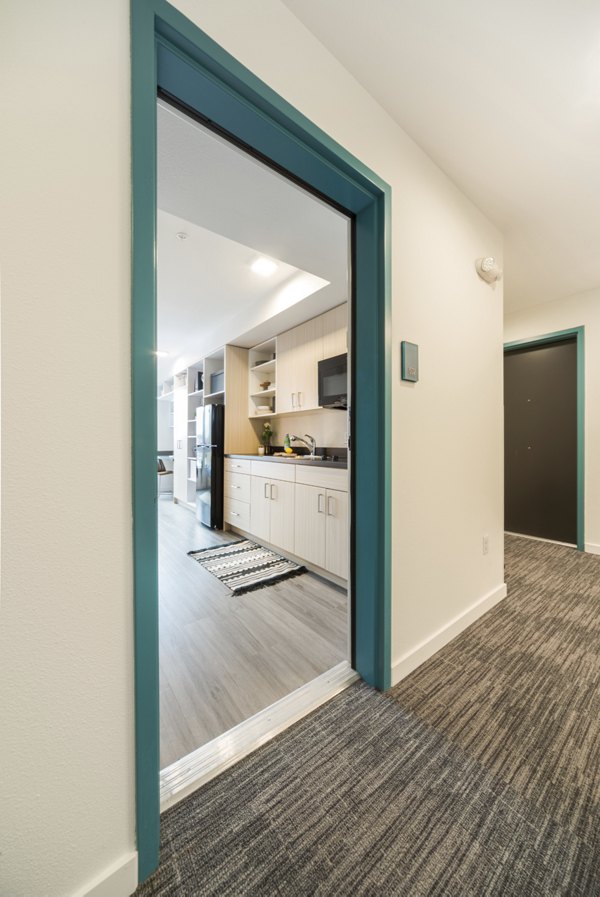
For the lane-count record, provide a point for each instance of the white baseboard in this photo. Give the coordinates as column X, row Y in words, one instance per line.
column 427, row 648
column 540, row 539
column 591, row 548
column 118, row 880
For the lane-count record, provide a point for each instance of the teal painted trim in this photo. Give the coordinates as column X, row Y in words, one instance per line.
column 145, row 524
column 173, row 55
column 553, row 337
column 372, row 462
column 236, row 113
column 557, row 336
column 386, row 603
column 192, row 45
column 581, row 438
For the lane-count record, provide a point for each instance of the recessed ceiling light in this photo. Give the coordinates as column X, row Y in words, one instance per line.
column 264, row 266
column 181, row 235
column 160, row 354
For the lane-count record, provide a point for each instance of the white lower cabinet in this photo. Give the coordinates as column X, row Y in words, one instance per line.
column 272, row 511
column 321, row 528
column 310, row 524
column 260, row 508
column 236, row 493
column 336, row 533
column 296, row 508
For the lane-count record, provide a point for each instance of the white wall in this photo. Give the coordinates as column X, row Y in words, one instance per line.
column 66, row 662
column 574, row 311
column 66, row 658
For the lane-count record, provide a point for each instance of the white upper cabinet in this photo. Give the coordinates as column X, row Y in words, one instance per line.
column 335, row 331
column 299, row 351
column 286, row 372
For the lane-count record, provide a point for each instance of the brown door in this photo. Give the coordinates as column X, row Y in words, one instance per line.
column 540, row 441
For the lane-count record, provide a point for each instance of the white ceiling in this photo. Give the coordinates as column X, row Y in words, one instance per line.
column 234, row 209
column 207, row 293
column 504, row 95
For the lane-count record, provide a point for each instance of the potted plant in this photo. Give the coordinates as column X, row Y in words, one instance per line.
column 267, row 433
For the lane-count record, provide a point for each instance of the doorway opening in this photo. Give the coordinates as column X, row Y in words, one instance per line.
column 173, row 57
column 544, row 451
column 254, row 369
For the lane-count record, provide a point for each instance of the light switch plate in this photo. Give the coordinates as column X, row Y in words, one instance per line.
column 409, row 361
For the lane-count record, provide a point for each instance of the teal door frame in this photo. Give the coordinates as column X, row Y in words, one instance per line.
column 173, row 56
column 557, row 336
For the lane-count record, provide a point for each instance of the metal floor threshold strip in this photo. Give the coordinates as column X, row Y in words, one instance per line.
column 186, row 775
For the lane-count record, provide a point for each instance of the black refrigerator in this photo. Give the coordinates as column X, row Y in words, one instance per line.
column 210, row 427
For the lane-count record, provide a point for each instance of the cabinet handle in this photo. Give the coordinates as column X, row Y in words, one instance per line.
column 234, row 487
column 320, row 510
column 293, row 400
column 234, row 513
column 273, row 496
column 266, row 487
column 299, row 400
column 330, row 499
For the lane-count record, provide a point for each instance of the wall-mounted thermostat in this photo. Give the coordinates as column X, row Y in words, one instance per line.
column 409, row 361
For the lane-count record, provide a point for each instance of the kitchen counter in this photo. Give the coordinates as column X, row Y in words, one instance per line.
column 342, row 464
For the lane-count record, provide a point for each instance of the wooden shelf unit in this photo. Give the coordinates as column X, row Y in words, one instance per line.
column 262, row 362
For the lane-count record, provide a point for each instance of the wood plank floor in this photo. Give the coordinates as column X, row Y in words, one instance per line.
column 225, row 657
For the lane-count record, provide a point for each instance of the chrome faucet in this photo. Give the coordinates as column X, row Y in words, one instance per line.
column 311, row 446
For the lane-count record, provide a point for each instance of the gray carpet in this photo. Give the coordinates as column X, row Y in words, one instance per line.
column 476, row 776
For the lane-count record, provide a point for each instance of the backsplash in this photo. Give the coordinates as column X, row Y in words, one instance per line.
column 329, row 428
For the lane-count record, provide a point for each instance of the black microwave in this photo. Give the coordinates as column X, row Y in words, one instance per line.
column 333, row 382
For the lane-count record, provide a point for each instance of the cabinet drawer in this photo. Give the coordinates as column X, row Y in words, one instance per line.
column 274, row 470
column 237, row 486
column 238, row 465
column 237, row 513
column 324, row 477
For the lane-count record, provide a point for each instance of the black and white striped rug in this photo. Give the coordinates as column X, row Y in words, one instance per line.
column 244, row 566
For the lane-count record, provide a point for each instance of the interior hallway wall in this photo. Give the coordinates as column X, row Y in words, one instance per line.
column 66, row 653
column 574, row 311
column 66, row 633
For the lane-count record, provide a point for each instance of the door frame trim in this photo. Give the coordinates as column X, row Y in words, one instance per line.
column 171, row 54
column 556, row 337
